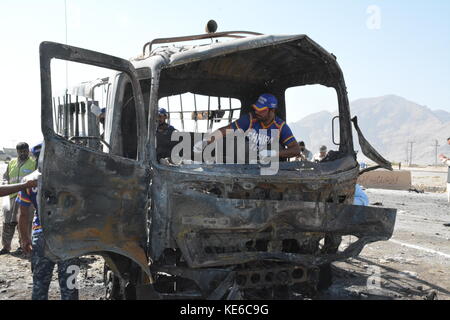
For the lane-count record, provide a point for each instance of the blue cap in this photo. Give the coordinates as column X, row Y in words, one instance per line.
column 103, row 110
column 266, row 101
column 163, row 111
column 36, row 150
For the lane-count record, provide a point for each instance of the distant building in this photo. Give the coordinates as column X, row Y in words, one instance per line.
column 7, row 154
column 10, row 151
column 3, row 156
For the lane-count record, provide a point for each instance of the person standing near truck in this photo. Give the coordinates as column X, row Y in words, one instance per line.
column 321, row 154
column 41, row 266
column 446, row 160
column 16, row 170
column 305, row 154
column 164, row 144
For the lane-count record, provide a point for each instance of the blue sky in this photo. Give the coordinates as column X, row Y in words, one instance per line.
column 409, row 55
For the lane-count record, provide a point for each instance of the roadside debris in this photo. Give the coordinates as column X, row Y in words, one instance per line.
column 431, row 296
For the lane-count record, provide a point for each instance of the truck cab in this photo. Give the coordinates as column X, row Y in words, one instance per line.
column 187, row 228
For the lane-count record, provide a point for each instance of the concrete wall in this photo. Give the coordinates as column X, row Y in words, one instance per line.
column 384, row 179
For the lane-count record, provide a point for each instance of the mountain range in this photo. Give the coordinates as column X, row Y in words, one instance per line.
column 390, row 123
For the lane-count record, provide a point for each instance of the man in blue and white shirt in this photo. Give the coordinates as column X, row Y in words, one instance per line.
column 260, row 123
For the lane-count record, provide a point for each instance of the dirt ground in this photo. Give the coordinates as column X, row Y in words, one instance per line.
column 413, row 265
column 16, row 280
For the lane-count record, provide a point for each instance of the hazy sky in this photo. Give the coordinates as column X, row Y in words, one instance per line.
column 384, row 47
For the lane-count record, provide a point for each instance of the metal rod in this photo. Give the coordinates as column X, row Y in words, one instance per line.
column 55, row 123
column 77, row 114
column 91, row 138
column 200, row 111
column 60, row 116
column 230, row 34
column 88, row 123
column 83, row 119
column 209, row 109
column 67, row 62
column 168, row 110
column 108, row 87
column 196, row 114
column 66, row 116
column 71, row 112
column 181, row 113
column 230, row 117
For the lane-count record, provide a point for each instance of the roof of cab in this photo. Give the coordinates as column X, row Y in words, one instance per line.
column 288, row 60
column 175, row 55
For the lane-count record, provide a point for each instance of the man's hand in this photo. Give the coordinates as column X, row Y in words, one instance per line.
column 200, row 145
column 442, row 157
column 26, row 246
column 32, row 177
column 293, row 150
column 266, row 155
column 31, row 184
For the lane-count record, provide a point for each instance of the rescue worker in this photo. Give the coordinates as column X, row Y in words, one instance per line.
column 41, row 266
column 305, row 154
column 445, row 160
column 164, row 143
column 263, row 116
column 36, row 151
column 360, row 198
column 16, row 170
column 321, row 154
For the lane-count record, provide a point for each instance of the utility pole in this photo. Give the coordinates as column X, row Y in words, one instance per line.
column 410, row 152
column 407, row 153
column 67, row 63
column 436, row 151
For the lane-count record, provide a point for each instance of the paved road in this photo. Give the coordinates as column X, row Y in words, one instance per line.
column 413, row 264
column 429, row 178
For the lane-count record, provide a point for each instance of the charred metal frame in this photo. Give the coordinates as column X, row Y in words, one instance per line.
column 229, row 34
column 67, row 193
column 209, row 225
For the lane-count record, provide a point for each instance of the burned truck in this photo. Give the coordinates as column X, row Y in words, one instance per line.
column 188, row 229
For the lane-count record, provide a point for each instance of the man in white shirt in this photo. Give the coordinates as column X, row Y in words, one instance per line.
column 305, row 154
column 446, row 161
column 321, row 155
